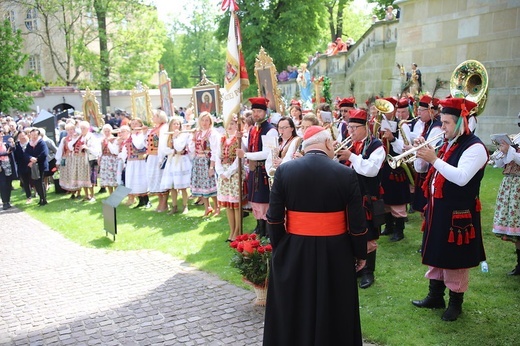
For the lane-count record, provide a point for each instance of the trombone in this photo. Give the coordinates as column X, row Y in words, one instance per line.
column 411, row 154
column 345, row 144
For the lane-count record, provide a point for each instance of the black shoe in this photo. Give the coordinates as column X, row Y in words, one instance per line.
column 6, row 206
column 397, row 237
column 102, row 190
column 245, row 214
column 430, row 303
column 515, row 271
column 42, row 203
column 367, row 279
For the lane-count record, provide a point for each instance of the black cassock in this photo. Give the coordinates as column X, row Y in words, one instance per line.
column 312, row 295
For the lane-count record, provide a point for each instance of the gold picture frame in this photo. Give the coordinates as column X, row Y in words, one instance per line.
column 265, row 73
column 206, row 97
column 165, row 93
column 141, row 103
column 90, row 108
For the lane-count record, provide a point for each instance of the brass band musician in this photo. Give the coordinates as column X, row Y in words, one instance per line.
column 394, row 181
column 289, row 142
column 427, row 126
column 365, row 156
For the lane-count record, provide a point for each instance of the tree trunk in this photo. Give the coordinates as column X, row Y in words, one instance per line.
column 103, row 55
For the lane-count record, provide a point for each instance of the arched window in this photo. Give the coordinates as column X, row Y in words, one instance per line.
column 34, row 63
column 31, row 20
column 9, row 15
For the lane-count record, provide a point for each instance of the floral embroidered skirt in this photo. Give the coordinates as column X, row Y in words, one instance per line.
column 506, row 222
column 228, row 190
column 66, row 175
column 79, row 171
column 202, row 185
column 108, row 170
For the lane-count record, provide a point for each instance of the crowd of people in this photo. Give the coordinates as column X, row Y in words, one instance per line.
column 311, row 226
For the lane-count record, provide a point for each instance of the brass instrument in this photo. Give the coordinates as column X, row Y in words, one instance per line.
column 345, row 144
column 470, row 80
column 275, row 152
column 383, row 107
column 410, row 155
column 409, row 169
column 497, row 154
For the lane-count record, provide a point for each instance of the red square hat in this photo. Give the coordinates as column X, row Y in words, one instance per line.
column 311, row 131
column 347, row 102
column 403, row 102
column 429, row 102
column 259, row 103
column 392, row 100
column 457, row 106
column 357, row 116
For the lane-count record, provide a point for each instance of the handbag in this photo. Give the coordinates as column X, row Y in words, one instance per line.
column 35, row 171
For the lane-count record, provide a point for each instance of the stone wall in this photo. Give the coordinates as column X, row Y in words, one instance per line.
column 437, row 35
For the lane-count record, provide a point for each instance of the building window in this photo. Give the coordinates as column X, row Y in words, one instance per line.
column 30, row 20
column 9, row 15
column 34, row 64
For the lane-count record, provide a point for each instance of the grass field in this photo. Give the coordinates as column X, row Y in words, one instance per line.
column 491, row 307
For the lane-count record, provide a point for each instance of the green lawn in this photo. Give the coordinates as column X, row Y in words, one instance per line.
column 491, row 307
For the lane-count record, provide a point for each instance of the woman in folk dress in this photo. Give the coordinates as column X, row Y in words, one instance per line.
column 81, row 146
column 108, row 159
column 228, row 185
column 177, row 171
column 506, row 221
column 155, row 145
column 63, row 161
column 203, row 179
column 134, row 154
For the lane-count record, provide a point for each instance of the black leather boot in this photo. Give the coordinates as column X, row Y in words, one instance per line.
column 262, row 232
column 389, row 224
column 516, row 271
column 435, row 297
column 399, row 229
column 367, row 273
column 255, row 230
column 454, row 307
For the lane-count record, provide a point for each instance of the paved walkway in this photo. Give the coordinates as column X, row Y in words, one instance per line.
column 55, row 292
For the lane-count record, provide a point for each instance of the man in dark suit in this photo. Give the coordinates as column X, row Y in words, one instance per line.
column 317, row 228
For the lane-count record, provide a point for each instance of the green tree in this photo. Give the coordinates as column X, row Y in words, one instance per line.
column 380, row 9
column 289, row 30
column 96, row 40
column 193, row 46
column 335, row 9
column 13, row 86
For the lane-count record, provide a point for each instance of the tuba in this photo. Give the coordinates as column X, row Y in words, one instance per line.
column 383, row 107
column 469, row 80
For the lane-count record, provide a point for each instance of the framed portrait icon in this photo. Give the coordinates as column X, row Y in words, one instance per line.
column 141, row 103
column 90, row 109
column 206, row 98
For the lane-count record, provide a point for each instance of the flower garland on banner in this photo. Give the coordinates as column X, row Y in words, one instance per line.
column 322, row 90
column 251, row 257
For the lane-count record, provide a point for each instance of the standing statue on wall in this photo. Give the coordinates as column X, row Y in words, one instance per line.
column 415, row 78
column 305, row 84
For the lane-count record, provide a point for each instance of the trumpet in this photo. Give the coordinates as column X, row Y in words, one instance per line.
column 345, row 144
column 411, row 154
